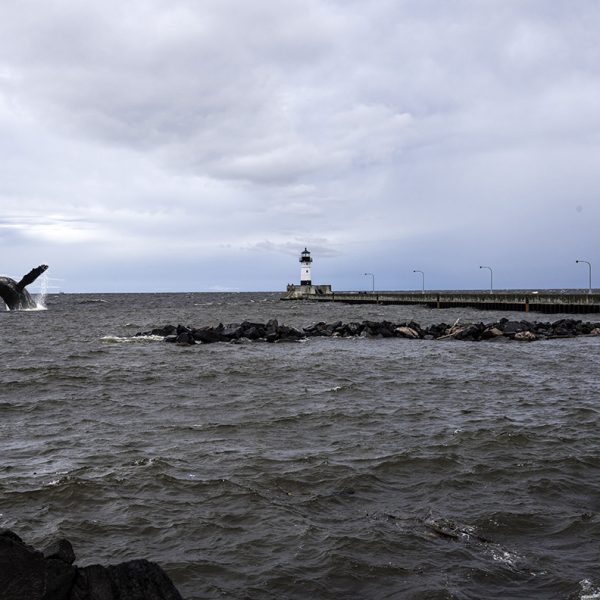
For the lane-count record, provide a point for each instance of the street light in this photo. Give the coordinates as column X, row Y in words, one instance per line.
column 372, row 278
column 589, row 264
column 423, row 276
column 491, row 278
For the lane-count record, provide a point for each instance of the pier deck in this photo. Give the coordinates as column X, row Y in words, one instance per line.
column 543, row 302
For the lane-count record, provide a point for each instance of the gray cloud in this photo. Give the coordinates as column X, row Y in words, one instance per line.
column 182, row 131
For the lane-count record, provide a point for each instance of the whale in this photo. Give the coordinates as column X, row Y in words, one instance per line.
column 14, row 294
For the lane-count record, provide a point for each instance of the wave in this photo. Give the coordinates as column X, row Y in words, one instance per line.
column 116, row 339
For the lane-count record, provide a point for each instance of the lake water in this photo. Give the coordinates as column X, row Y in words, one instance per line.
column 327, row 469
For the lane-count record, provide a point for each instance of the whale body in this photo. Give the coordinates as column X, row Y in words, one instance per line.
column 14, row 294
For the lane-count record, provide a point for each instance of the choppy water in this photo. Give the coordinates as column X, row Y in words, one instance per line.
column 328, row 469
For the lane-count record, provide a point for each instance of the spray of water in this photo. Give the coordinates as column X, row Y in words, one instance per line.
column 40, row 299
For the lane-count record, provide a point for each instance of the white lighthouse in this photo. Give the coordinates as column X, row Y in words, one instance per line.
column 305, row 262
column 306, row 290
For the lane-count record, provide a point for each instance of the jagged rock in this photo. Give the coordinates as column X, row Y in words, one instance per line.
column 354, row 328
column 164, row 331
column 287, row 334
column 470, row 332
column 61, row 549
column 318, row 329
column 437, row 330
column 133, row 580
column 371, row 328
column 209, row 335
column 407, row 332
column 27, row 574
column 252, row 331
column 386, row 329
column 454, row 331
column 512, row 327
column 490, row 333
column 274, row 332
column 525, row 336
column 185, row 338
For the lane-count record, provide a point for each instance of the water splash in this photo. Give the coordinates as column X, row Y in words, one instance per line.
column 40, row 300
column 588, row 590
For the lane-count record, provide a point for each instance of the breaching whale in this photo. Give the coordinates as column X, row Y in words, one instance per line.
column 14, row 294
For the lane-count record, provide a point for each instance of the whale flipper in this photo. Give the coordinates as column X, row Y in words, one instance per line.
column 31, row 276
column 14, row 294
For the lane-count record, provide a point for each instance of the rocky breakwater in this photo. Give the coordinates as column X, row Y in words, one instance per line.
column 29, row 574
column 272, row 331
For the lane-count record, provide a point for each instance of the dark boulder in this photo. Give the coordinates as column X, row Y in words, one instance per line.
column 252, row 331
column 133, row 580
column 60, row 549
column 318, row 329
column 438, row 330
column 416, row 327
column 353, row 328
column 27, row 574
column 470, row 333
column 372, row 329
column 511, row 327
column 334, row 327
column 164, row 331
column 231, row 331
column 209, row 335
column 185, row 338
column 491, row 332
column 566, row 328
column 387, row 329
column 288, row 334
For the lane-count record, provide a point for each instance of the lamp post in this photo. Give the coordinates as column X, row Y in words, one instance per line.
column 372, row 279
column 423, row 282
column 589, row 264
column 491, row 278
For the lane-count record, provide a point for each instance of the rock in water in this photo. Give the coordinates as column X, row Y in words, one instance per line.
column 132, row 580
column 525, row 336
column 27, row 574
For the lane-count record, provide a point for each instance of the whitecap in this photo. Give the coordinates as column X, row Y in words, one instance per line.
column 503, row 556
column 588, row 590
column 115, row 339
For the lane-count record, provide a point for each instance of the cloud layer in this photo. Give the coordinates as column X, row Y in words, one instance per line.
column 195, row 146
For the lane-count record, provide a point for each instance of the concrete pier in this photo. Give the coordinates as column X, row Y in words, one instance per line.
column 542, row 302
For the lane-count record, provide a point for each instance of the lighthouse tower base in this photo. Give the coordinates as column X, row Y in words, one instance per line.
column 298, row 292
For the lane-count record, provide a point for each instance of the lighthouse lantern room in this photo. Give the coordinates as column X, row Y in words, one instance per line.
column 305, row 262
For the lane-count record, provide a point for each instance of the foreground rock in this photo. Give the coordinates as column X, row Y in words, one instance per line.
column 28, row 574
column 272, row 331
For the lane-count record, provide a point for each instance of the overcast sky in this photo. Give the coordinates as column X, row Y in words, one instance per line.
column 173, row 145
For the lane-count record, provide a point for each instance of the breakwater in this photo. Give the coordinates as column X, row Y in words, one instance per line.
column 543, row 302
column 273, row 331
